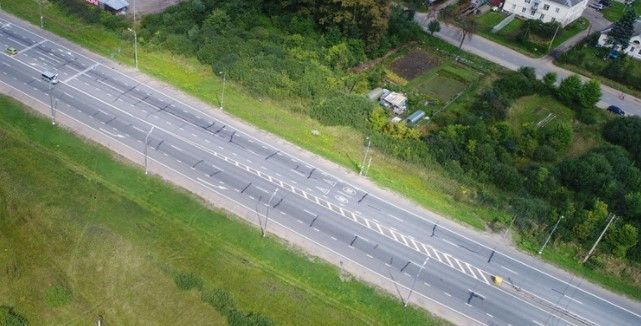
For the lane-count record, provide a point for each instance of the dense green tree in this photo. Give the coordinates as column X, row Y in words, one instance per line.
column 434, row 27
column 549, row 80
column 378, row 118
column 622, row 238
column 590, row 94
column 569, row 89
column 633, row 206
column 557, row 135
column 586, row 227
column 625, row 132
column 468, row 25
column 622, row 30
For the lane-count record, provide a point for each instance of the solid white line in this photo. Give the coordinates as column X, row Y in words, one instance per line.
column 450, row 242
column 509, row 270
column 31, row 46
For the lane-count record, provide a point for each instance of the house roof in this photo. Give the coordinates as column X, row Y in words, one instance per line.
column 396, row 99
column 567, row 3
column 115, row 4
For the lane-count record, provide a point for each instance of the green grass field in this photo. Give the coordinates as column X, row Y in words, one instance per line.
column 85, row 235
column 617, row 9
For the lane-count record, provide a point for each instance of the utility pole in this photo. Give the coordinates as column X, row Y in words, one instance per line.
column 369, row 143
column 134, row 13
column 222, row 96
column 42, row 24
column 135, row 45
column 51, row 103
column 550, row 235
column 264, row 229
column 147, row 145
column 418, row 274
column 599, row 238
column 553, row 37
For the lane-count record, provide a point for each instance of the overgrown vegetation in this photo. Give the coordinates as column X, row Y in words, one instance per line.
column 591, row 59
column 123, row 245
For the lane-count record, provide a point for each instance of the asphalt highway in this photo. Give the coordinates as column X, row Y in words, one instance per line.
column 390, row 241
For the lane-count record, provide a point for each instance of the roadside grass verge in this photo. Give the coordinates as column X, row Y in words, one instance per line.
column 597, row 269
column 99, row 237
column 431, row 188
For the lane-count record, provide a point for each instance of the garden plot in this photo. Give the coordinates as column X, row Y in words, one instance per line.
column 414, row 63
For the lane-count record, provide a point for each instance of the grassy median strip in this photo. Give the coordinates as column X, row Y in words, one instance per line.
column 85, row 235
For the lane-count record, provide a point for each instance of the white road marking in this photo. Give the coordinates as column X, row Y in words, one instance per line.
column 450, row 242
column 509, row 270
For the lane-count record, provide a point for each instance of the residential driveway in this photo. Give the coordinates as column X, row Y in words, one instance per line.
column 513, row 60
column 597, row 24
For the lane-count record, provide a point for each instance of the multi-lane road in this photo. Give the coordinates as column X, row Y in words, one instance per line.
column 390, row 242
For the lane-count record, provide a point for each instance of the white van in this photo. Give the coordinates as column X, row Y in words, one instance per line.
column 50, row 77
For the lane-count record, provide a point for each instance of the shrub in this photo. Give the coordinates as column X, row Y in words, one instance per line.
column 346, row 110
column 58, row 296
column 220, row 299
column 188, row 281
column 9, row 317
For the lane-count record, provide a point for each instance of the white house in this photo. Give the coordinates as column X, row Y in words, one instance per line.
column 634, row 49
column 562, row 11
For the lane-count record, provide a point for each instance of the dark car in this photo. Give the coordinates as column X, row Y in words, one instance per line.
column 616, row 110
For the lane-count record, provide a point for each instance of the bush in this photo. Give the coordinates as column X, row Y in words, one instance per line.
column 58, row 296
column 219, row 299
column 188, row 281
column 346, row 110
column 9, row 317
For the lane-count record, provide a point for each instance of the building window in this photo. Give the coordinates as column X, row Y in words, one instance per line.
column 513, row 7
column 556, row 10
column 553, row 19
column 631, row 50
column 546, row 7
column 524, row 9
column 528, row 1
column 542, row 15
column 533, row 12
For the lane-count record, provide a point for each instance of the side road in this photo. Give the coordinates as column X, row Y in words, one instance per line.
column 513, row 60
column 487, row 239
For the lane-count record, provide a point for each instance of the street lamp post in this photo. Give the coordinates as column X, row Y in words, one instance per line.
column 135, row 45
column 369, row 143
column 264, row 229
column 222, row 96
column 42, row 25
column 418, row 274
column 147, row 145
column 51, row 103
column 550, row 235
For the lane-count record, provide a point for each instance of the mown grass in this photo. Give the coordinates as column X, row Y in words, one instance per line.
column 616, row 10
column 431, row 188
column 122, row 245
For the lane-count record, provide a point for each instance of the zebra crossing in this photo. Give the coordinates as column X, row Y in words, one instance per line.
column 388, row 232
